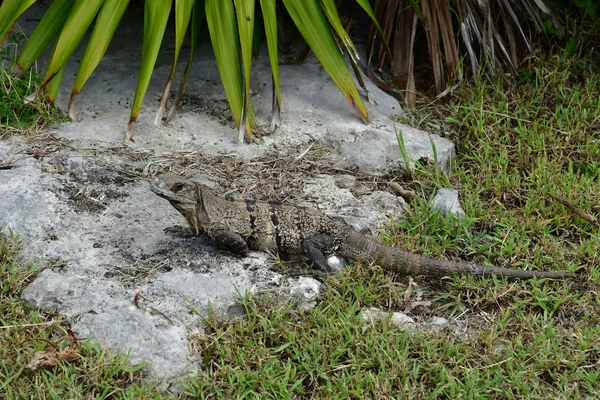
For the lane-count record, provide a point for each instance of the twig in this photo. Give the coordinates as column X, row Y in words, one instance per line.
column 407, row 195
column 29, row 325
column 162, row 314
column 588, row 217
column 304, row 152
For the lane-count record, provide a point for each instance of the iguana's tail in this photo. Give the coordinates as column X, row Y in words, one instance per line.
column 368, row 250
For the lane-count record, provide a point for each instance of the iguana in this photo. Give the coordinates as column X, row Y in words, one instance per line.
column 239, row 225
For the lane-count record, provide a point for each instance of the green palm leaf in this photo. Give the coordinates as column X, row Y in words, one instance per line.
column 232, row 29
column 198, row 14
column 53, row 85
column 47, row 29
column 333, row 17
column 221, row 19
column 367, row 8
column 245, row 25
column 156, row 14
column 108, row 19
column 75, row 27
column 10, row 10
column 314, row 28
column 269, row 12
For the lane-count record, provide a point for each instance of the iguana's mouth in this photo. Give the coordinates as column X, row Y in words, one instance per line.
column 182, row 202
column 162, row 189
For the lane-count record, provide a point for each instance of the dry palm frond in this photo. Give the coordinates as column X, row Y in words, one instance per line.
column 490, row 31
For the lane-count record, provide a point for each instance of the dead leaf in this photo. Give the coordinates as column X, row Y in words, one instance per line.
column 47, row 359
column 415, row 304
column 136, row 299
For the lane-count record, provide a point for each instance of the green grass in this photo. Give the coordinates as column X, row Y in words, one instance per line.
column 517, row 143
column 17, row 115
column 527, row 339
column 330, row 353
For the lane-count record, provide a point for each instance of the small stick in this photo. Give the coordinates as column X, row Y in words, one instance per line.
column 304, row 152
column 588, row 217
column 407, row 195
column 48, row 323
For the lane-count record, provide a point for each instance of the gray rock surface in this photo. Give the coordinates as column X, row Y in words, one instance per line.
column 439, row 323
column 104, row 233
column 116, row 266
column 366, row 214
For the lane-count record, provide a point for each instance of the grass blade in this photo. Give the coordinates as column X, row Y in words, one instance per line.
column 10, row 10
column 183, row 13
column 313, row 26
column 108, row 19
column 156, row 14
column 48, row 27
column 269, row 12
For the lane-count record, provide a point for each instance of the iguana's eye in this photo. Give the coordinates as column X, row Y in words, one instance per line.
column 178, row 187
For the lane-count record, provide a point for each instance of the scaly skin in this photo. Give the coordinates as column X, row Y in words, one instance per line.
column 239, row 225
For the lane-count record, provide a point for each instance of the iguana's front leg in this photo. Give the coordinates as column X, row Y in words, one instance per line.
column 230, row 241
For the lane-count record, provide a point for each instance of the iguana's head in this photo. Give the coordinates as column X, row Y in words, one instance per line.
column 185, row 195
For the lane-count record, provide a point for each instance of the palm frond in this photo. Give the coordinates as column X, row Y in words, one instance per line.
column 491, row 31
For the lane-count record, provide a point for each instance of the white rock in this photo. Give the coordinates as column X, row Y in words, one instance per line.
column 399, row 319
column 446, row 200
column 439, row 322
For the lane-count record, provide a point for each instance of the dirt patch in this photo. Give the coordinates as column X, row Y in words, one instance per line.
column 96, row 178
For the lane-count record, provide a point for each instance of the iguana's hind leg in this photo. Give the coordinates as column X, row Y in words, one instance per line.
column 230, row 241
column 315, row 248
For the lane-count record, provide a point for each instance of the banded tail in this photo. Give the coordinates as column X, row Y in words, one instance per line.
column 368, row 250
